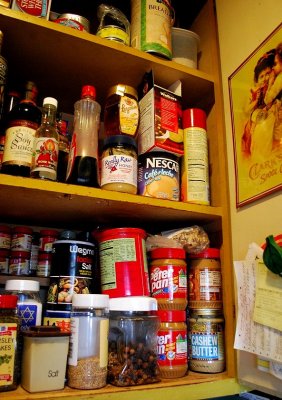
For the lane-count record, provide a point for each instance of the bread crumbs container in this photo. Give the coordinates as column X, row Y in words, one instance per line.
column 44, row 358
column 133, row 341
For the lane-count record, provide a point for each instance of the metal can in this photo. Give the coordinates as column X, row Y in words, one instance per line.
column 206, row 341
column 158, row 175
column 74, row 21
column 205, row 287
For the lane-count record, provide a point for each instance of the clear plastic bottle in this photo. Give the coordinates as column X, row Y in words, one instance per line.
column 83, row 157
column 46, row 143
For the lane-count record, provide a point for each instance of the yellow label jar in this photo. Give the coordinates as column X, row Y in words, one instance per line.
column 121, row 112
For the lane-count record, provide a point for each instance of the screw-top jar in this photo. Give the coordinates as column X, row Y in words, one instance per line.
column 47, row 237
column 9, row 327
column 119, row 164
column 133, row 341
column 21, row 238
column 168, row 278
column 172, row 344
column 5, row 237
column 121, row 112
column 88, row 358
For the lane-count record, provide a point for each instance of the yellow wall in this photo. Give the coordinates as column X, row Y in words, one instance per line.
column 243, row 25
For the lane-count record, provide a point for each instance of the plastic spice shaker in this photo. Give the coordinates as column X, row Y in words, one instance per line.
column 87, row 362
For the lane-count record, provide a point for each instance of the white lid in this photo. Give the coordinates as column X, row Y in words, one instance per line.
column 90, row 300
column 21, row 284
column 50, row 100
column 133, row 303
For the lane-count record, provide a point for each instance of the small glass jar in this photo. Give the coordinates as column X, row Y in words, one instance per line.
column 133, row 341
column 119, row 164
column 206, row 341
column 44, row 265
column 19, row 263
column 168, row 278
column 121, row 112
column 88, row 358
column 47, row 237
column 29, row 302
column 9, row 327
column 5, row 237
column 172, row 344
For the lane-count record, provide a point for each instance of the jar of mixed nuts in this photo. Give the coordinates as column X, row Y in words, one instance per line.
column 133, row 341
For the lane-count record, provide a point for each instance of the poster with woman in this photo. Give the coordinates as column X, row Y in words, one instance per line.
column 255, row 91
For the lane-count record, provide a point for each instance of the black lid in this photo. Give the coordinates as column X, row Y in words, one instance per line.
column 117, row 140
column 44, row 331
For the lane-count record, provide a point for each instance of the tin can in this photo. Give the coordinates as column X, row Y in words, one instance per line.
column 206, row 341
column 158, row 175
column 74, row 21
column 205, row 287
column 151, row 22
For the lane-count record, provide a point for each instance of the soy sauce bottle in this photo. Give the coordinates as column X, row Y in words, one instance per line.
column 83, row 157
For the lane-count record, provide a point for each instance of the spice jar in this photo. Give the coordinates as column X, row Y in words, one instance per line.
column 44, row 264
column 9, row 327
column 88, row 359
column 4, row 262
column 21, row 238
column 119, row 164
column 205, row 288
column 172, row 344
column 5, row 237
column 19, row 263
column 133, row 341
column 206, row 341
column 47, row 237
column 44, row 361
column 168, row 278
column 121, row 112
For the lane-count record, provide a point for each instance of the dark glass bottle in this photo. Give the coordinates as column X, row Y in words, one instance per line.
column 3, row 76
column 64, row 148
column 22, row 122
column 83, row 157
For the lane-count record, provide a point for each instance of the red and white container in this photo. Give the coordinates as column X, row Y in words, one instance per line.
column 123, row 262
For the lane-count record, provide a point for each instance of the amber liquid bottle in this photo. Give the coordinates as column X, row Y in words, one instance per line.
column 22, row 122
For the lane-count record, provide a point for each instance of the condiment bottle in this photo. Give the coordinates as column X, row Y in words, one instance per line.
column 9, row 327
column 88, row 358
column 172, row 344
column 22, row 120
column 83, row 157
column 168, row 278
column 121, row 111
column 46, row 143
column 119, row 164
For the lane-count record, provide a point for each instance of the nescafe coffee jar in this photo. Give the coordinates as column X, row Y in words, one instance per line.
column 168, row 278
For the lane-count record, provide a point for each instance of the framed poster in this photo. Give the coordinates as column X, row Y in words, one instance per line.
column 255, row 91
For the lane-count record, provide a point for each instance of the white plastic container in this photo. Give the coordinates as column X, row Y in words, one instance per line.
column 185, row 46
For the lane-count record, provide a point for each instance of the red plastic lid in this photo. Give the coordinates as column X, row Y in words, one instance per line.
column 165, row 252
column 116, row 233
column 49, row 232
column 44, row 256
column 20, row 254
column 172, row 315
column 5, row 229
column 208, row 253
column 4, row 253
column 88, row 91
column 194, row 117
column 8, row 301
column 22, row 229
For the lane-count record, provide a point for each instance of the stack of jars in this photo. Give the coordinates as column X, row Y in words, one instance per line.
column 20, row 250
column 46, row 240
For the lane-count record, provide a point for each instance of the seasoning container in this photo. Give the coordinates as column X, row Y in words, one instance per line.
column 9, row 327
column 123, row 262
column 158, row 175
column 19, row 263
column 88, row 358
column 5, row 237
column 21, row 238
column 47, row 238
column 44, row 359
column 4, row 262
column 205, row 287
column 113, row 24
column 121, row 111
column 44, row 265
column 172, row 344
column 168, row 278
column 206, row 341
column 133, row 341
column 34, row 252
column 73, row 21
column 119, row 164
column 29, row 303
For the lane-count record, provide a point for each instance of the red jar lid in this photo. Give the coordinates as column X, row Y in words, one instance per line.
column 167, row 252
column 45, row 256
column 49, row 232
column 5, row 229
column 172, row 315
column 22, row 229
column 194, row 117
column 4, row 253
column 20, row 254
column 8, row 301
column 208, row 253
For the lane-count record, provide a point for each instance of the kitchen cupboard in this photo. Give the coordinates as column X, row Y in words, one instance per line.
column 60, row 60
